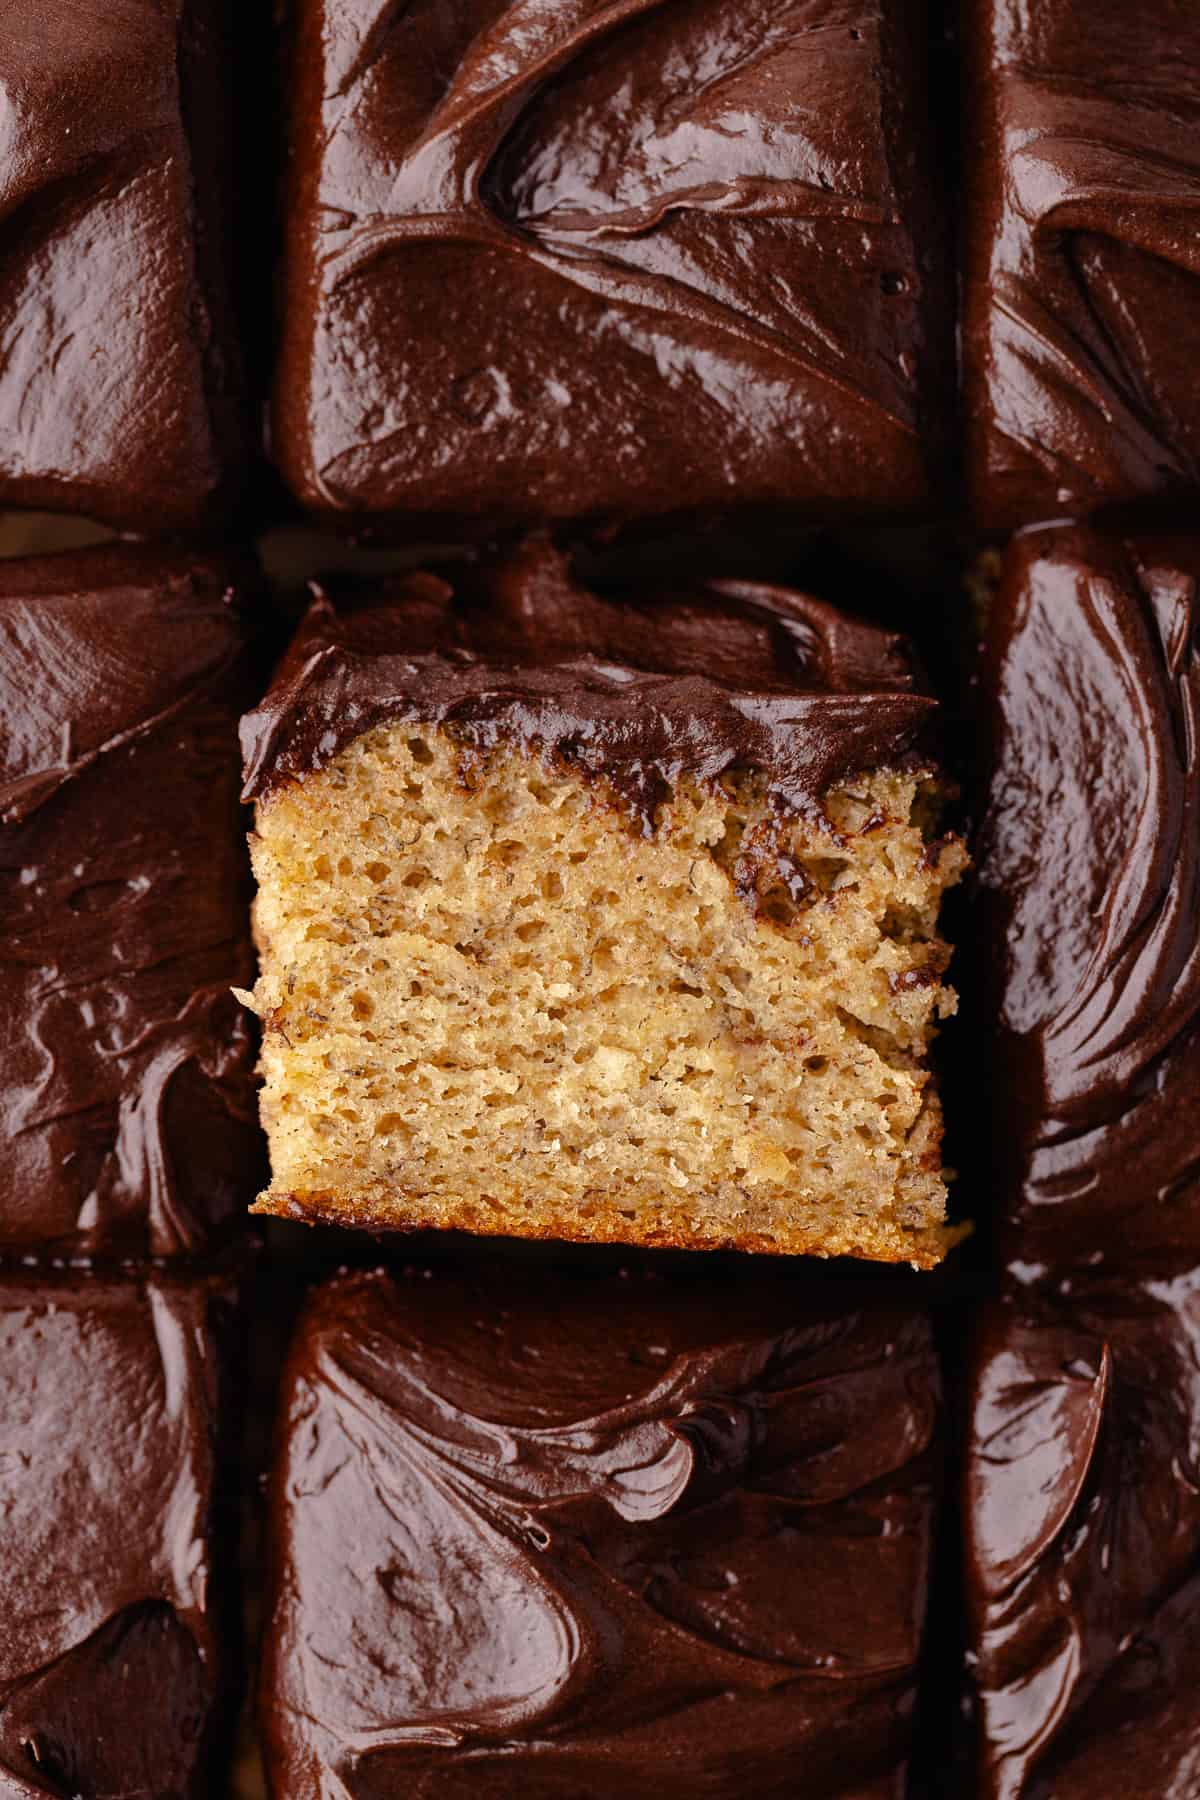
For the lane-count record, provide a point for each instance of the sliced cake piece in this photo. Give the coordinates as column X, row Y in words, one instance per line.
column 601, row 918
column 596, row 1535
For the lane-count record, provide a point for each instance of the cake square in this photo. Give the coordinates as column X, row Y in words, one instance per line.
column 605, row 917
column 599, row 1533
column 115, row 1658
column 1089, row 867
column 1082, row 1521
column 1082, row 1528
column 609, row 261
column 119, row 388
column 126, row 1068
column 1081, row 298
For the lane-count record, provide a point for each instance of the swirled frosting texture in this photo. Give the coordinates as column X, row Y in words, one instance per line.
column 1082, row 1506
column 607, row 257
column 1082, row 1494
column 1082, row 281
column 1089, row 858
column 113, row 1673
column 578, row 1536
column 637, row 688
column 118, row 397
column 127, row 1106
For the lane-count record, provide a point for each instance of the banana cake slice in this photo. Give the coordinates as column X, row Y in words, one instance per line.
column 601, row 916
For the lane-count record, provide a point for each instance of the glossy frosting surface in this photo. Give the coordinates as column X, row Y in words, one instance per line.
column 108, row 1416
column 117, row 395
column 1089, row 858
column 553, row 258
column 561, row 1537
column 127, row 1104
column 1082, row 1507
column 1082, row 1491
column 1082, row 287
column 637, row 689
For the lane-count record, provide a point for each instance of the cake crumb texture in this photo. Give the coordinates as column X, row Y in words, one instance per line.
column 492, row 1002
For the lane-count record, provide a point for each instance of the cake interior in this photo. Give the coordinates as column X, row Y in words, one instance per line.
column 496, row 999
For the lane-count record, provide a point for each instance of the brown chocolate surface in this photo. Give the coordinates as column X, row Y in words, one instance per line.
column 1082, row 1491
column 1089, row 859
column 118, row 384
column 595, row 1534
column 637, row 690
column 113, row 1666
column 1082, row 1502
column 609, row 258
column 1081, row 329
column 127, row 1106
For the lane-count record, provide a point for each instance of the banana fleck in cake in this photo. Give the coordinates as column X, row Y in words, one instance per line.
column 601, row 918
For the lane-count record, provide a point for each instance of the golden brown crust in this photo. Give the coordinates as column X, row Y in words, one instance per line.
column 661, row 1229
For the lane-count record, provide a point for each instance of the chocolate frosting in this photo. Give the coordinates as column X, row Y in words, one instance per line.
column 1082, row 1494
column 1083, row 253
column 576, row 1538
column 118, row 392
column 638, row 690
column 127, row 1105
column 1082, row 1502
column 1089, row 859
column 109, row 1414
column 554, row 258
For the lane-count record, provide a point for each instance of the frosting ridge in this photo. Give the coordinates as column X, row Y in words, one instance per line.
column 637, row 690
column 637, row 1517
column 1082, row 258
column 1082, row 1507
column 1089, row 861
column 718, row 209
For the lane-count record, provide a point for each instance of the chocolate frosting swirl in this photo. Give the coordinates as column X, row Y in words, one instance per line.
column 127, row 1103
column 118, row 376
column 1082, row 1496
column 1082, row 1507
column 564, row 1537
column 110, row 1575
column 1083, row 256
column 1089, row 859
column 636, row 691
column 553, row 260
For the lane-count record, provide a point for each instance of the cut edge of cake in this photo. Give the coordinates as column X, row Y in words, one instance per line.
column 775, row 955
